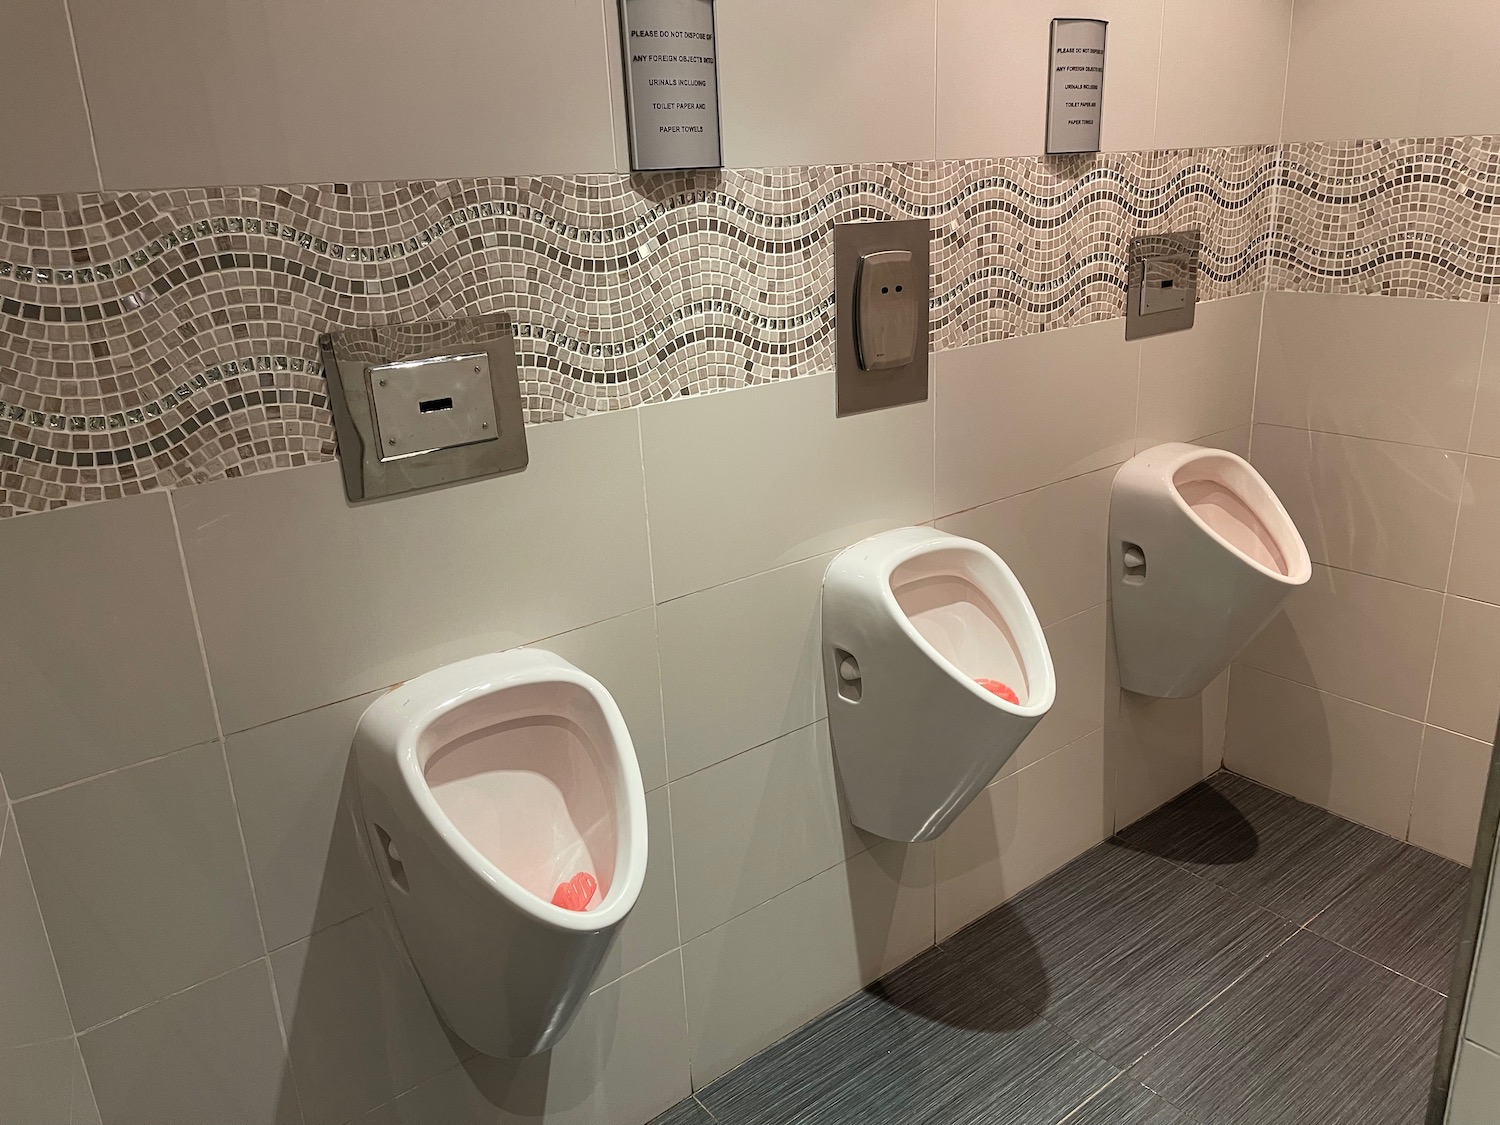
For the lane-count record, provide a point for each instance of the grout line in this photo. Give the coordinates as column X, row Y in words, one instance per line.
column 1332, row 695
column 1035, row 488
column 260, row 925
column 1121, row 1076
column 111, row 772
column 1286, row 74
column 1260, row 347
column 640, row 449
column 1161, row 42
column 88, row 115
column 51, row 956
column 1375, row 440
column 611, row 85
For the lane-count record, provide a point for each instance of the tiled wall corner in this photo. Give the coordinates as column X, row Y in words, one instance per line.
column 1374, row 692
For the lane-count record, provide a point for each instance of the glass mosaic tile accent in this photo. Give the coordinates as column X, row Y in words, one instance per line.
column 151, row 339
column 1403, row 218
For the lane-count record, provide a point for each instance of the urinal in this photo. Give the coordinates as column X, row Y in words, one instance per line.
column 1202, row 554
column 935, row 669
column 503, row 803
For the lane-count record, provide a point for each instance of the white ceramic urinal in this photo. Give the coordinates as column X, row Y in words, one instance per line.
column 493, row 789
column 1202, row 554
column 935, row 668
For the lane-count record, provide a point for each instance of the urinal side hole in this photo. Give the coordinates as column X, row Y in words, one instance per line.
column 1133, row 563
column 846, row 671
column 395, row 870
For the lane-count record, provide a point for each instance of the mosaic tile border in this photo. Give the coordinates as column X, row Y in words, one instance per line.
column 1403, row 218
column 152, row 339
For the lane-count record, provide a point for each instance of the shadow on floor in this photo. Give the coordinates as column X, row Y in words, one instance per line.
column 1203, row 826
column 968, row 993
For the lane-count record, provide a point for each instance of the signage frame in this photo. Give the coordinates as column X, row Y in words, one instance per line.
column 649, row 152
column 1085, row 138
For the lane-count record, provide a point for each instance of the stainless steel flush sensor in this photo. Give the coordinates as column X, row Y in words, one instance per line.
column 882, row 294
column 421, row 405
column 1163, row 284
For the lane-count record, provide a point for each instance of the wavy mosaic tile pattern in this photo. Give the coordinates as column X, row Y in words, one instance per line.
column 1404, row 218
column 151, row 339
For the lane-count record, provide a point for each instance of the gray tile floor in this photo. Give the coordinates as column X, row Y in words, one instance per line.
column 1237, row 958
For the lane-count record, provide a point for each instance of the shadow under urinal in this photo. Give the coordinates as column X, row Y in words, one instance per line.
column 1223, row 835
column 987, row 979
column 970, row 981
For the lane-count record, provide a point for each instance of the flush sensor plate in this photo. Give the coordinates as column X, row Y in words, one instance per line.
column 1163, row 284
column 421, row 405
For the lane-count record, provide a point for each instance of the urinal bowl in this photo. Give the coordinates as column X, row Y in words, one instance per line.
column 484, row 785
column 1202, row 555
column 912, row 621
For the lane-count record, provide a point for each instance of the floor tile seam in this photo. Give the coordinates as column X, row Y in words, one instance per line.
column 1365, row 957
column 1077, row 1109
column 1256, row 907
column 1259, row 963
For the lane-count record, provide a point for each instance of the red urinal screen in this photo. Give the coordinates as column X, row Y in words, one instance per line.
column 1002, row 690
column 576, row 893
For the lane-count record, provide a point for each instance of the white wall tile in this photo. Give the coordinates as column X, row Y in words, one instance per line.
column 621, row 654
column 1353, row 760
column 1360, row 637
column 829, row 83
column 753, row 826
column 297, row 803
column 992, row 74
column 1201, row 381
column 212, row 1053
column 1476, row 1086
column 32, row 1008
column 651, row 928
column 1077, row 645
column 744, row 482
column 1159, row 748
column 1476, row 548
column 1375, row 367
column 623, row 1060
column 740, row 664
column 1054, row 538
column 45, row 132
column 1020, row 829
column 1449, row 794
column 99, row 662
column 348, row 598
column 1223, row 72
column 45, row 1084
column 359, row 1024
column 1381, row 68
column 1017, row 414
column 1380, row 507
column 1485, row 436
column 1466, row 676
column 773, row 968
column 142, row 880
column 1236, row 440
column 369, row 121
